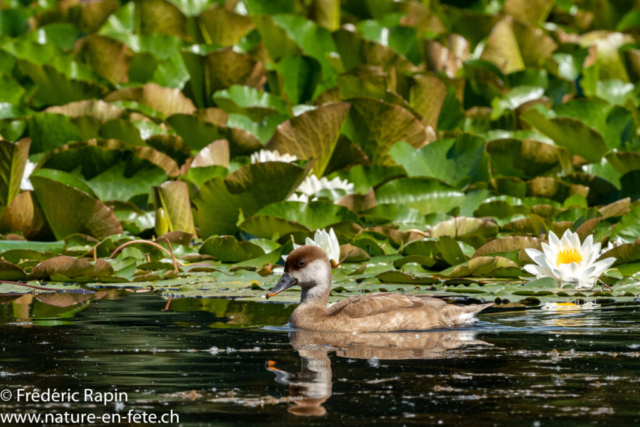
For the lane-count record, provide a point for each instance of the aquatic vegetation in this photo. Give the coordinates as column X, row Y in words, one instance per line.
column 440, row 144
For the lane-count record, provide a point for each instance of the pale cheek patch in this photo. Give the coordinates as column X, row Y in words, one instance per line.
column 315, row 273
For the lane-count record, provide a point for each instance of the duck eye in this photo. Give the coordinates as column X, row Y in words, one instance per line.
column 301, row 263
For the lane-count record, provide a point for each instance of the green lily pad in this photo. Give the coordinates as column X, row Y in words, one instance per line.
column 525, row 159
column 458, row 162
column 220, row 70
column 574, row 135
column 313, row 134
column 423, row 194
column 314, row 215
column 220, row 202
column 376, row 126
column 228, row 249
column 70, row 267
column 69, row 211
column 400, row 277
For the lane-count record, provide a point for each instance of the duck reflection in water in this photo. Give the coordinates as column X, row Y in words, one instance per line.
column 311, row 387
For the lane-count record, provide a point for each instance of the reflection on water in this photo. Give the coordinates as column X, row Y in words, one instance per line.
column 205, row 359
column 311, row 387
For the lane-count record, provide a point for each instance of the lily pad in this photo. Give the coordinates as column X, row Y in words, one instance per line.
column 69, row 211
column 313, row 134
column 458, row 162
column 525, row 159
column 221, row 201
column 314, row 215
column 219, row 70
column 70, row 267
column 574, row 135
column 400, row 277
column 376, row 126
column 423, row 194
column 228, row 249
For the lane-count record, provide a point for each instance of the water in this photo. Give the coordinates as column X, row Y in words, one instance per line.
column 206, row 360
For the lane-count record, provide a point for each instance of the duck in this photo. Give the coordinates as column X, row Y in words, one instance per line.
column 308, row 267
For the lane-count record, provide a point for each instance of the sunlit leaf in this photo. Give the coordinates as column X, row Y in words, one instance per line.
column 459, row 161
column 70, row 267
column 228, row 249
column 375, row 126
column 222, row 27
column 109, row 58
column 313, row 134
column 524, row 159
column 423, row 194
column 572, row 134
column 69, row 211
column 165, row 100
column 219, row 70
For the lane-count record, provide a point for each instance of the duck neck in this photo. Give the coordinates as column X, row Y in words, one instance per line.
column 316, row 285
column 316, row 297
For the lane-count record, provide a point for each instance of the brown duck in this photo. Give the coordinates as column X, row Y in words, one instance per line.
column 309, row 267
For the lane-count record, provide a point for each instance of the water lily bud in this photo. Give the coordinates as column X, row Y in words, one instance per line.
column 162, row 224
column 266, row 269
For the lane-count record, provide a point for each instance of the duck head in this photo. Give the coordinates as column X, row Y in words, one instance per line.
column 309, row 268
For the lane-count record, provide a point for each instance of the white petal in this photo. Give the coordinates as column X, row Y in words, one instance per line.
column 551, row 252
column 533, row 253
column 565, row 242
column 532, row 268
column 602, row 265
column 569, row 272
column 538, row 271
column 575, row 240
column 334, row 245
column 587, row 244
column 553, row 239
column 539, row 258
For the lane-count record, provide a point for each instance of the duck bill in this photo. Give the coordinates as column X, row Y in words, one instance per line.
column 285, row 282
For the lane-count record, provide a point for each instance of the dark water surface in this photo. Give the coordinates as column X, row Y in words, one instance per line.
column 207, row 361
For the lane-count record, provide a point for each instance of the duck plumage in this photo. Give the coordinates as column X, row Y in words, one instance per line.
column 309, row 268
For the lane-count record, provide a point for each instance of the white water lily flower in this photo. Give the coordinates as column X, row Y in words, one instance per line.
column 312, row 185
column 264, row 156
column 328, row 242
column 25, row 184
column 568, row 262
column 300, row 198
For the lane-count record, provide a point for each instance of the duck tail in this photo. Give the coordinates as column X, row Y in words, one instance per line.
column 468, row 312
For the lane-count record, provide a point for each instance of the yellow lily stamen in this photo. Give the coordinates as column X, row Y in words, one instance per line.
column 568, row 255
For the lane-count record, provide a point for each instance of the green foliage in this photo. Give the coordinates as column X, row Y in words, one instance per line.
column 464, row 135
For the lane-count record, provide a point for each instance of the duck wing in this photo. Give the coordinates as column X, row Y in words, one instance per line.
column 378, row 303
